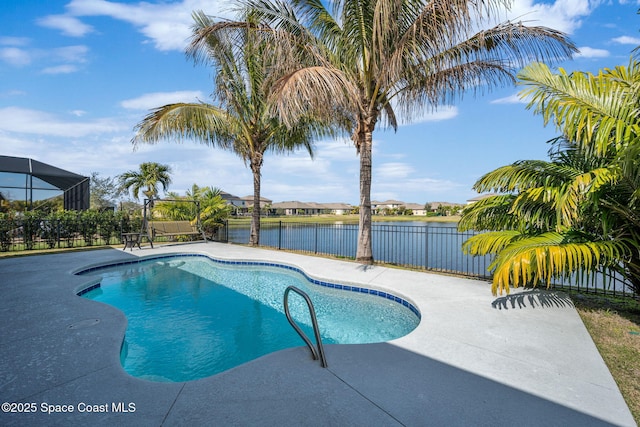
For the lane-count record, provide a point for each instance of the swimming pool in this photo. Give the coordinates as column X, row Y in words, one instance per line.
column 190, row 316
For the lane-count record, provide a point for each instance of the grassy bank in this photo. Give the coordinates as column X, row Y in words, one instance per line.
column 614, row 326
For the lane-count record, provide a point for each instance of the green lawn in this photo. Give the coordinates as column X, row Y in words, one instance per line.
column 614, row 326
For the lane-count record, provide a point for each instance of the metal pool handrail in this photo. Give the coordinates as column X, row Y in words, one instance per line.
column 319, row 353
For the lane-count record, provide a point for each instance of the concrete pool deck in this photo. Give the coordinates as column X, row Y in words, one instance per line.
column 475, row 359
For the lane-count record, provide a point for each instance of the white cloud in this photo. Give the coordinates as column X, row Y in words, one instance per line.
column 298, row 163
column 562, row 15
column 206, row 166
column 335, row 150
column 79, row 159
column 14, row 41
column 513, row 99
column 113, row 154
column 12, row 92
column 444, row 112
column 70, row 53
column 14, row 56
column 69, row 25
column 325, row 192
column 635, row 41
column 13, row 145
column 406, row 190
column 167, row 25
column 60, row 69
column 22, row 120
column 589, row 52
column 393, row 171
column 158, row 99
column 332, row 176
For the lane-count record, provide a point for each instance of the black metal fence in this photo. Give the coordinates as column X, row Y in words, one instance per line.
column 431, row 247
column 428, row 247
column 38, row 234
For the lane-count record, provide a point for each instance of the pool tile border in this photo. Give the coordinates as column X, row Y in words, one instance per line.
column 349, row 288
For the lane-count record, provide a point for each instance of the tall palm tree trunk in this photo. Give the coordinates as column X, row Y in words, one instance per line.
column 254, row 238
column 364, row 252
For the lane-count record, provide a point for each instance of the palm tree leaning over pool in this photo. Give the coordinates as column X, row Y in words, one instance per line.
column 580, row 212
column 372, row 57
column 241, row 121
column 147, row 180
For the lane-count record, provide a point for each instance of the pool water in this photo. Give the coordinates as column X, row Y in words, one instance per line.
column 191, row 317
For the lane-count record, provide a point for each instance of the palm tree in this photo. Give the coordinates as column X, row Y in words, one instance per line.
column 579, row 212
column 175, row 208
column 371, row 58
column 212, row 209
column 147, row 179
column 240, row 121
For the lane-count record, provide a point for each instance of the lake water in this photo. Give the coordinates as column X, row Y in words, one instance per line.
column 433, row 246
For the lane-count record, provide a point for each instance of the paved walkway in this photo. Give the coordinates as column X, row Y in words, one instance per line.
column 474, row 360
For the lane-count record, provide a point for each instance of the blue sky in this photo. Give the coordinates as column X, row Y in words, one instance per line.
column 77, row 76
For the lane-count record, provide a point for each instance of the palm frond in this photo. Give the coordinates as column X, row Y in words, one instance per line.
column 313, row 91
column 518, row 176
column 541, row 258
column 146, row 179
column 589, row 109
column 490, row 213
column 201, row 122
column 491, row 242
column 534, row 209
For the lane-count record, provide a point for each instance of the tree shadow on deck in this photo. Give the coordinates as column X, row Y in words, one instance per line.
column 534, row 298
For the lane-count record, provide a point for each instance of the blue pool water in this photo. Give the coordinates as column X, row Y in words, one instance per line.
column 191, row 317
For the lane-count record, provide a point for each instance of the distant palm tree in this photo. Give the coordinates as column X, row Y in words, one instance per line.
column 241, row 120
column 175, row 208
column 214, row 210
column 146, row 180
column 201, row 205
column 579, row 212
column 364, row 59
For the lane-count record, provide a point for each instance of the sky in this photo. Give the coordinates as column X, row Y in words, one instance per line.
column 77, row 76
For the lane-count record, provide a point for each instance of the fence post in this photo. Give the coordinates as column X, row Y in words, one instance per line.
column 426, row 246
column 58, row 232
column 279, row 235
column 315, row 248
